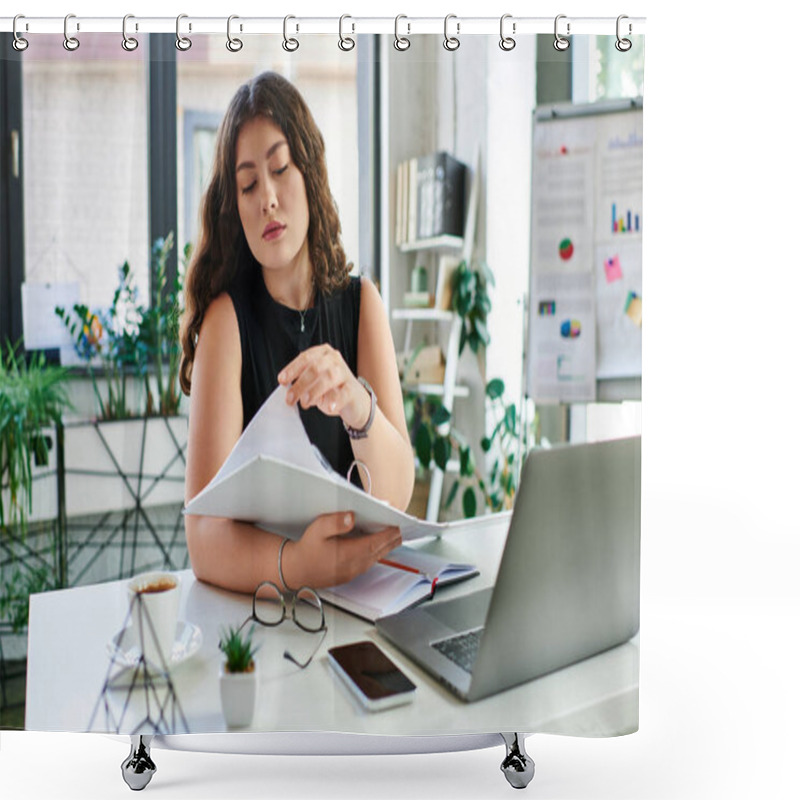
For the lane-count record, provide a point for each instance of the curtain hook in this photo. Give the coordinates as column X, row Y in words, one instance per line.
column 560, row 43
column 233, row 45
column 19, row 43
column 70, row 42
column 345, row 42
column 451, row 43
column 183, row 43
column 128, row 42
column 506, row 42
column 289, row 44
column 401, row 42
column 623, row 45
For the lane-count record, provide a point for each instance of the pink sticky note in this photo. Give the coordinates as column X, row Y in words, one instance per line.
column 613, row 269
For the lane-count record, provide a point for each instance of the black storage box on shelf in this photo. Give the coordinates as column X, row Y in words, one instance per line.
column 441, row 188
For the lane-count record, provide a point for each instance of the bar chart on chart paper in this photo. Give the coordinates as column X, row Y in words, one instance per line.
column 624, row 220
column 619, row 179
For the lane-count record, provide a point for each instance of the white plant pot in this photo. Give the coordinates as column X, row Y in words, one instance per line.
column 238, row 692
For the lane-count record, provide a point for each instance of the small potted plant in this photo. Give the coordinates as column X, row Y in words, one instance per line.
column 238, row 678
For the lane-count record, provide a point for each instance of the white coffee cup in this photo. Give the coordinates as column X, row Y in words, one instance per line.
column 153, row 599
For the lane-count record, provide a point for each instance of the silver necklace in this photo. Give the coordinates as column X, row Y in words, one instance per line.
column 303, row 311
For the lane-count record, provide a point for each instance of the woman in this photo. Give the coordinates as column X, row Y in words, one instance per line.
column 269, row 301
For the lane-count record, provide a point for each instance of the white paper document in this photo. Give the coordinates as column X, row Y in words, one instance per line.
column 41, row 328
column 276, row 431
column 276, row 478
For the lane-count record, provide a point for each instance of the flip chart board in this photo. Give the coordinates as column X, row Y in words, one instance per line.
column 585, row 310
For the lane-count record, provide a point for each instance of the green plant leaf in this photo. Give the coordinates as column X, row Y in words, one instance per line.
column 482, row 331
column 409, row 408
column 486, row 444
column 451, row 495
column 441, row 451
column 462, row 340
column 511, row 419
column 422, row 445
column 440, row 416
column 495, row 388
column 467, row 462
column 469, row 502
column 238, row 650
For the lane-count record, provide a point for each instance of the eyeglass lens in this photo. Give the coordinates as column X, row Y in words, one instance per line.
column 268, row 605
column 271, row 608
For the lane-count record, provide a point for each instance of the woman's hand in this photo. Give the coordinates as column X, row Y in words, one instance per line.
column 323, row 556
column 320, row 377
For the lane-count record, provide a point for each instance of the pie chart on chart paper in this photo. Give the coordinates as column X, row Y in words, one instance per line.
column 566, row 249
column 570, row 329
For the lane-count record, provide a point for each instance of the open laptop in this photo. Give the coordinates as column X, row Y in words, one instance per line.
column 568, row 583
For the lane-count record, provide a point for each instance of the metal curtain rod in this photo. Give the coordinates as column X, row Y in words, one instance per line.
column 457, row 26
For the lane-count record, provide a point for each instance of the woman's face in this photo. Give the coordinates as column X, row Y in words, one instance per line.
column 271, row 197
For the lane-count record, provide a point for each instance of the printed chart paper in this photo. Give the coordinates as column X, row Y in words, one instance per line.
column 563, row 192
column 587, row 220
column 563, row 326
column 619, row 335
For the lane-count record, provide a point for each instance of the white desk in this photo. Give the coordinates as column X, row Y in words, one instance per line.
column 68, row 663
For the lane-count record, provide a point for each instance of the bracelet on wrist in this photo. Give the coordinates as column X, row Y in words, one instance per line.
column 280, row 566
column 361, row 433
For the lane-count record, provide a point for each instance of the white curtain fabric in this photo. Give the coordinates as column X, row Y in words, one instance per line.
column 86, row 212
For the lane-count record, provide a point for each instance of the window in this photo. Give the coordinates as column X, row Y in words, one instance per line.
column 601, row 72
column 88, row 160
column 85, row 164
column 208, row 75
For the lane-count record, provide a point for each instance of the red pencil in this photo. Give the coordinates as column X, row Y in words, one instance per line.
column 396, row 565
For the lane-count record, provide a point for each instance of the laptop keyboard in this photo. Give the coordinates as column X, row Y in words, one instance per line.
column 461, row 649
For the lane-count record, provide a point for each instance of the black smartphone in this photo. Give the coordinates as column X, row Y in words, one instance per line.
column 374, row 679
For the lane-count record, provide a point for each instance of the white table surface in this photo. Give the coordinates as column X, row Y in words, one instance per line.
column 68, row 663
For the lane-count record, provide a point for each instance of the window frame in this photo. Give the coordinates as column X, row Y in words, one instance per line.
column 162, row 171
column 12, row 181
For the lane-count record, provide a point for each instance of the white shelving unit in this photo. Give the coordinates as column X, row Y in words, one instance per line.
column 445, row 242
column 448, row 390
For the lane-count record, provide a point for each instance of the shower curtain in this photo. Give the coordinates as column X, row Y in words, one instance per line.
column 524, row 157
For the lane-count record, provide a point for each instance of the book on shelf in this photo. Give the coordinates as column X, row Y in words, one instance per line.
column 440, row 183
column 398, row 206
column 430, row 195
column 412, row 201
column 406, row 577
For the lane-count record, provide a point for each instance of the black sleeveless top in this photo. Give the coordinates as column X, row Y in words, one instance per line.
column 270, row 337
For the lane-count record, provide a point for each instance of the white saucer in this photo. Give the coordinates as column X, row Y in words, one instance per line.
column 126, row 652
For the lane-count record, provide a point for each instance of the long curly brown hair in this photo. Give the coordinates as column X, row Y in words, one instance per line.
column 222, row 249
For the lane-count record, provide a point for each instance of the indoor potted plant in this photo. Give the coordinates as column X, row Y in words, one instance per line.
column 33, row 398
column 135, row 447
column 238, row 678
